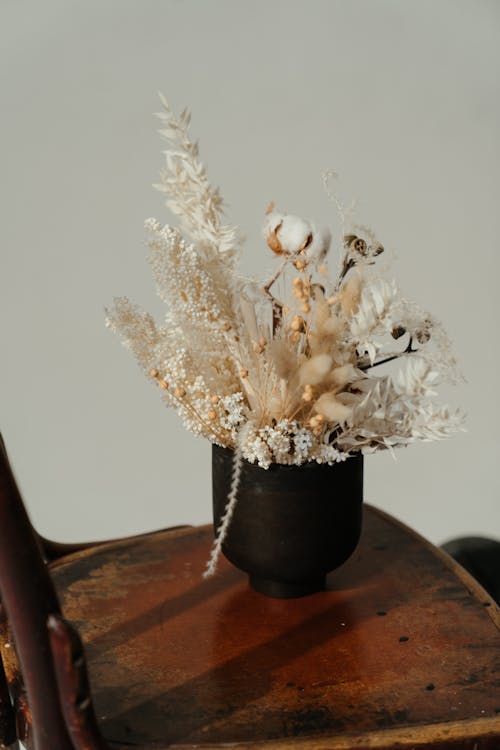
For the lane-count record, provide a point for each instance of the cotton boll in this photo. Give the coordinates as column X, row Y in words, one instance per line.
column 289, row 235
column 320, row 245
column 331, row 408
column 314, row 370
column 274, row 220
column 294, row 234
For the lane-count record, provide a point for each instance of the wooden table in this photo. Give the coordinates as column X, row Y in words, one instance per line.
column 401, row 651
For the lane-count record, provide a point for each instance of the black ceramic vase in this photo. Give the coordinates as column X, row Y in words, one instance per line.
column 291, row 525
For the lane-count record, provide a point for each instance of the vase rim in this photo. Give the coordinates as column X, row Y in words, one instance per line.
column 275, row 466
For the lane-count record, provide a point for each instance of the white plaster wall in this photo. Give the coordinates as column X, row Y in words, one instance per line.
column 400, row 97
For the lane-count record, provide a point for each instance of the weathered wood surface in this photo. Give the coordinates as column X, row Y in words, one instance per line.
column 401, row 651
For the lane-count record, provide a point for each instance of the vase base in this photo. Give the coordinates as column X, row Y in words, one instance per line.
column 285, row 589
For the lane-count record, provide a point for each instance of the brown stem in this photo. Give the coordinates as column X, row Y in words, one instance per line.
column 275, row 278
column 346, row 267
column 277, row 306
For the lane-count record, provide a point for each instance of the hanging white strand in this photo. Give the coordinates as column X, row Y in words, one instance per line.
column 228, row 514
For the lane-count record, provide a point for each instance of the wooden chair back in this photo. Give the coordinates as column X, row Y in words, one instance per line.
column 45, row 672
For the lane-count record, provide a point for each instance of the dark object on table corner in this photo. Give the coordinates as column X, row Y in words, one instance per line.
column 481, row 557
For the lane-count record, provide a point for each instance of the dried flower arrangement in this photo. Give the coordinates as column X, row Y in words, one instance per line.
column 283, row 371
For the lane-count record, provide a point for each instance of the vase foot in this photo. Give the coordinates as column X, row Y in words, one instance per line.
column 285, row 589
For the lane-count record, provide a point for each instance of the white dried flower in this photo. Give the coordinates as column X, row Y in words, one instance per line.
column 189, row 194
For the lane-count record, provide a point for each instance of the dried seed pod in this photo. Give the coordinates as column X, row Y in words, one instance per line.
column 300, row 264
column 180, row 392
column 397, row 332
column 358, row 245
column 316, row 423
column 243, row 373
column 214, row 399
column 315, row 288
column 348, row 239
column 154, row 372
column 163, row 385
column 306, row 307
column 211, row 415
column 298, row 292
column 297, row 323
column 423, row 335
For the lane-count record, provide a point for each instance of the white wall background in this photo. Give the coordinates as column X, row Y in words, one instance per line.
column 400, row 97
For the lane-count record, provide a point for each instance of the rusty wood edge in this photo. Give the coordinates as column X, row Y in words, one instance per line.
column 485, row 732
column 470, row 583
column 135, row 539
column 54, row 551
